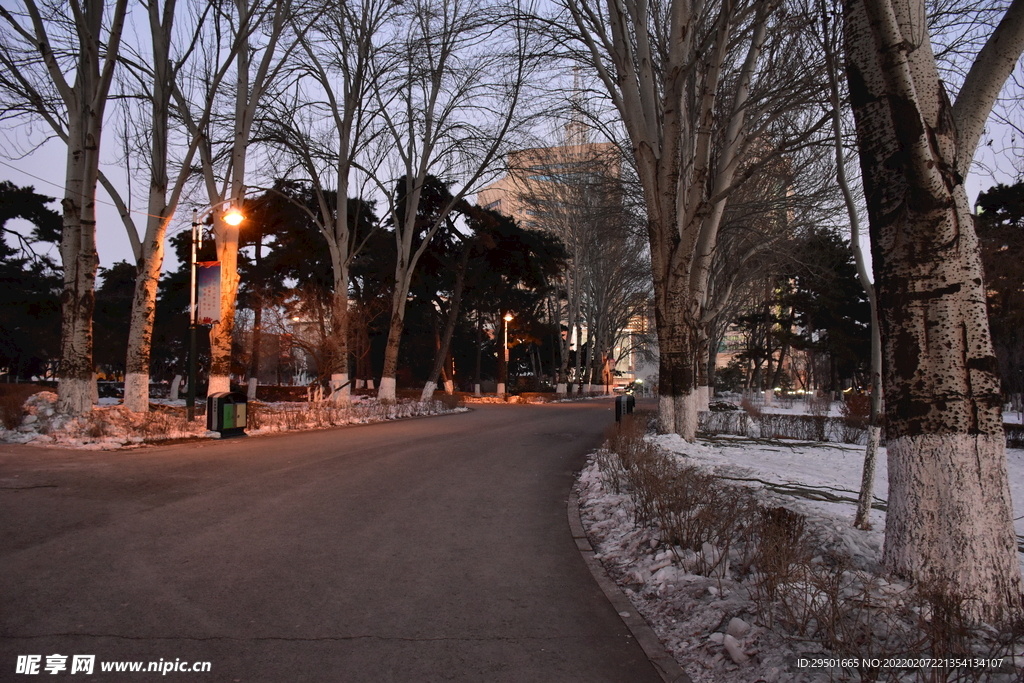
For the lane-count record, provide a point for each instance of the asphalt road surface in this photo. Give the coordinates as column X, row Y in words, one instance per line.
column 424, row 550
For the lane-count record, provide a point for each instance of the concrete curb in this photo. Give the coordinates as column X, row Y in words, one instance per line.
column 665, row 664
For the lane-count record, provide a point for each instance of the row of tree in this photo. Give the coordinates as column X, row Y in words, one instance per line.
column 374, row 93
column 719, row 105
column 708, row 93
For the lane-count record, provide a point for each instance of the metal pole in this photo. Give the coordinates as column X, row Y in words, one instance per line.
column 190, row 400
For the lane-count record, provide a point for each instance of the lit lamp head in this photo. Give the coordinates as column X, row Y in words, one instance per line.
column 508, row 317
column 233, row 217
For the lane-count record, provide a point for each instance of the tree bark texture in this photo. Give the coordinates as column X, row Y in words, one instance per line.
column 949, row 523
column 80, row 260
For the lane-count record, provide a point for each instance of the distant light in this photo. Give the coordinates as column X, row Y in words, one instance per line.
column 508, row 317
column 233, row 217
column 639, row 381
column 296, row 319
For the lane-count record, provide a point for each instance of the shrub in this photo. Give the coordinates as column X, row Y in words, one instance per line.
column 12, row 399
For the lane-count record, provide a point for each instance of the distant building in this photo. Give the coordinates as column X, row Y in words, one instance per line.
column 554, row 189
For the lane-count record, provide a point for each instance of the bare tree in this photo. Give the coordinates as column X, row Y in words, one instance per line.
column 41, row 46
column 324, row 129
column 707, row 92
column 224, row 145
column 461, row 69
column 950, row 520
column 153, row 76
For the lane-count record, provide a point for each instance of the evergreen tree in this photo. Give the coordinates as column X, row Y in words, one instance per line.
column 1000, row 225
column 30, row 284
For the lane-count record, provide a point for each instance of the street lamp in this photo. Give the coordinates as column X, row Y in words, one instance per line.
column 501, row 385
column 232, row 217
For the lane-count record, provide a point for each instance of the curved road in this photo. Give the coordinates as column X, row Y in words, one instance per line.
column 424, row 550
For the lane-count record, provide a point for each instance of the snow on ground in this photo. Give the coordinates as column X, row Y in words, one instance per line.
column 695, row 616
column 110, row 426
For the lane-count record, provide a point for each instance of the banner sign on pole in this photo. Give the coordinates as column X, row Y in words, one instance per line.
column 208, row 282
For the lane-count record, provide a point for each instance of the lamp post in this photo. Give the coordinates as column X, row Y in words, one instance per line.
column 501, row 385
column 232, row 217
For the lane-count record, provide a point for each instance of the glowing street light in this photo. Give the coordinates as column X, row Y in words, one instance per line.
column 232, row 217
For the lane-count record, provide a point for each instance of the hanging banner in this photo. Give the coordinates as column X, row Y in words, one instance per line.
column 208, row 282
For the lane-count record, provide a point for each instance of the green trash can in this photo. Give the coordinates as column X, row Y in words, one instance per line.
column 226, row 413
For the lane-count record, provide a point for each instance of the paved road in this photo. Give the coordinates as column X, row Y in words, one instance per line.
column 425, row 550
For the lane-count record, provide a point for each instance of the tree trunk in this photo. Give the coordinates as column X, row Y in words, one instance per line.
column 84, row 102
column 340, row 386
column 143, row 314
column 78, row 254
column 949, row 523
column 220, row 333
column 454, row 307
column 386, row 391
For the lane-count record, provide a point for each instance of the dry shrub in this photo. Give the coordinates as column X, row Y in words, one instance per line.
column 696, row 508
column 97, row 424
column 253, row 415
column 751, row 409
column 856, row 615
column 690, row 507
column 10, row 410
column 12, row 400
column 818, row 408
column 781, row 550
column 450, row 401
column 856, row 410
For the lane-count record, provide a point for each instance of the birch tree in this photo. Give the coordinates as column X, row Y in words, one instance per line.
column 949, row 522
column 684, row 75
column 42, row 45
column 461, row 72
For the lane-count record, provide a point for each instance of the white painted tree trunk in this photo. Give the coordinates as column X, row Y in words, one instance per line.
column 588, row 388
column 428, row 391
column 360, row 384
column 341, row 390
column 369, row 384
column 560, row 389
column 705, row 397
column 501, row 389
column 950, row 521
column 136, row 391
column 449, row 387
column 75, row 392
column 218, row 384
column 768, row 395
column 386, row 392
column 175, row 387
column 253, row 384
column 678, row 414
column 476, row 389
